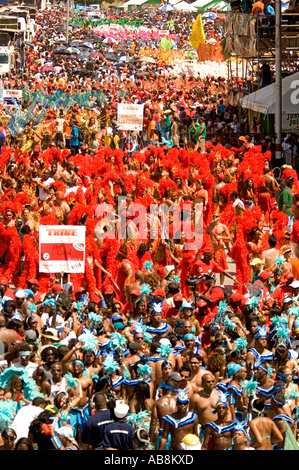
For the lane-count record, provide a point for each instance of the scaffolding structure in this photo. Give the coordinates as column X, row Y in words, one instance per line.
column 250, row 43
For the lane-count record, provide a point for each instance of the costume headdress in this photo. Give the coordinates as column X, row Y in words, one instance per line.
column 110, row 365
column 7, row 413
column 29, row 385
column 240, row 344
column 261, row 333
column 164, row 350
column 222, row 400
column 89, row 341
column 241, row 426
column 144, row 369
column 182, row 397
column 118, row 339
column 157, row 307
column 233, row 368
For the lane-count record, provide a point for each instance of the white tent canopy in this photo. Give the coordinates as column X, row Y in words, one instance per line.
column 184, row 6
column 222, row 6
column 133, row 2
column 201, row 3
column 168, row 7
column 263, row 100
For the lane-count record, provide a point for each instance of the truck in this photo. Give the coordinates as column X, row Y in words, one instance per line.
column 7, row 59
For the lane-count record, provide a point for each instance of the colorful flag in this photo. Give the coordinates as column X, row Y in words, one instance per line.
column 197, row 36
column 290, row 442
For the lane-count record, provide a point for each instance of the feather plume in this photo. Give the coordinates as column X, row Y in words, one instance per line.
column 89, row 341
column 110, row 365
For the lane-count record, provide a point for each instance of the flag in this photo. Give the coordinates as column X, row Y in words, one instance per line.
column 197, row 36
column 290, row 442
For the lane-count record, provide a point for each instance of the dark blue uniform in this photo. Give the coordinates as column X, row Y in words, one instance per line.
column 95, row 426
column 119, row 435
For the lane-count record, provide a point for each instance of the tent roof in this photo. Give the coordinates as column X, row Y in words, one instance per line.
column 134, row 2
column 222, row 6
column 209, row 4
column 263, row 100
column 184, row 6
column 200, row 3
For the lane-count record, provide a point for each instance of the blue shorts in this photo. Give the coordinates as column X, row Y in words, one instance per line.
column 78, row 418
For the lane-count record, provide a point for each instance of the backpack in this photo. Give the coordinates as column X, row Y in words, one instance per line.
column 158, row 127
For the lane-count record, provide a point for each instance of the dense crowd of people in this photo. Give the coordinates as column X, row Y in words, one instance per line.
column 182, row 332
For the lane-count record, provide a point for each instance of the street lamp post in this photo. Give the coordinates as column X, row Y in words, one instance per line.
column 278, row 84
column 67, row 21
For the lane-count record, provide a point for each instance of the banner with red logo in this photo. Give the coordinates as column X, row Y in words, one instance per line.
column 62, row 248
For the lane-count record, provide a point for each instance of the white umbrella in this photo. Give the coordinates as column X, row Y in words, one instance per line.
column 125, row 58
column 209, row 14
column 167, row 7
column 88, row 44
column 109, row 40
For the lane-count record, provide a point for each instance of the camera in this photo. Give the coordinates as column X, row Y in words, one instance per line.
column 193, row 280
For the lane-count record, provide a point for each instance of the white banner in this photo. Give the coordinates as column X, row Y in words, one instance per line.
column 7, row 97
column 290, row 123
column 130, row 116
column 62, row 248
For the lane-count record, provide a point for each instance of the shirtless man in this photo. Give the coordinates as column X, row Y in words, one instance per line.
column 80, row 414
column 259, row 351
column 204, row 401
column 200, row 195
column 162, row 407
column 263, row 431
column 267, row 192
column 185, row 384
column 219, row 185
column 139, row 277
column 197, row 372
column 220, row 236
column 219, row 432
column 179, row 424
column 268, row 256
column 193, row 342
column 125, row 275
column 265, row 387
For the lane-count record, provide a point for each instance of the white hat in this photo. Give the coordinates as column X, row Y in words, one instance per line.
column 50, row 333
column 165, row 342
column 67, row 432
column 168, row 269
column 295, row 284
column 20, row 294
column 121, row 410
column 238, row 202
